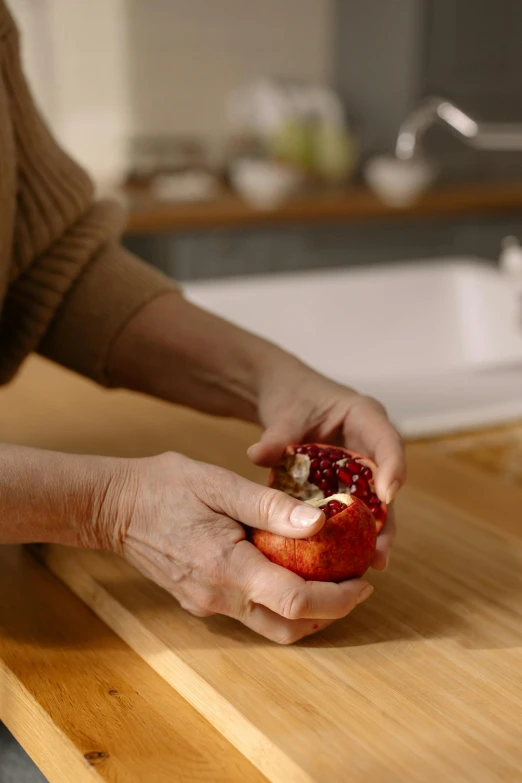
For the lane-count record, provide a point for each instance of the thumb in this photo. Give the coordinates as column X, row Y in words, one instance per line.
column 266, row 509
column 274, row 440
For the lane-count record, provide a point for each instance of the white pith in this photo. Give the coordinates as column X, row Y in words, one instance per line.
column 300, row 468
column 342, row 497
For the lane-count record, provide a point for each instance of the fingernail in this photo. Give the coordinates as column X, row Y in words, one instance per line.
column 305, row 516
column 364, row 594
column 392, row 491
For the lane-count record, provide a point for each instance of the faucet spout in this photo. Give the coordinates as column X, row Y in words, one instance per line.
column 486, row 136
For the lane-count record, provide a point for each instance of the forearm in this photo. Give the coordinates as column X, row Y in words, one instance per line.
column 48, row 497
column 180, row 353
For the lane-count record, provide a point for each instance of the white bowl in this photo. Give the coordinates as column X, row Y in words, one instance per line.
column 264, row 184
column 185, row 187
column 396, row 182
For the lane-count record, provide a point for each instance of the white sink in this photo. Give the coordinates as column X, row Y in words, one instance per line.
column 440, row 343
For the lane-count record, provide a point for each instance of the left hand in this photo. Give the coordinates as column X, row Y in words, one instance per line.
column 297, row 405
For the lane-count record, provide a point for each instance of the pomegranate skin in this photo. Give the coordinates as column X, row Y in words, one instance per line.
column 285, row 477
column 343, row 548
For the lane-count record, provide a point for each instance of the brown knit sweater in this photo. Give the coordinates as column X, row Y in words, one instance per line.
column 67, row 286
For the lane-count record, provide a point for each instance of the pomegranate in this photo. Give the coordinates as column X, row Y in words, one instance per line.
column 343, row 548
column 315, row 471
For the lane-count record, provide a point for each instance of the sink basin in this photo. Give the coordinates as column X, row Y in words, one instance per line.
column 440, row 343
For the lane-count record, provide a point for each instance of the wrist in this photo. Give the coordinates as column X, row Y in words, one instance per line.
column 278, row 370
column 113, row 504
column 50, row 497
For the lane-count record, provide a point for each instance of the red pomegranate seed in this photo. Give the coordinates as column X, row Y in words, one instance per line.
column 333, row 508
column 314, row 465
column 362, row 487
column 345, row 476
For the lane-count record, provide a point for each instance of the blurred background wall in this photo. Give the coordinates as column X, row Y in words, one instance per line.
column 187, row 56
column 104, row 71
column 108, row 72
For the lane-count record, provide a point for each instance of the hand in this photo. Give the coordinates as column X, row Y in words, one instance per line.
column 296, row 405
column 175, row 522
column 176, row 351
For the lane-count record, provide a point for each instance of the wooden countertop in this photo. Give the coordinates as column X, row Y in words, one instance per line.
column 356, row 203
column 86, row 707
column 82, row 704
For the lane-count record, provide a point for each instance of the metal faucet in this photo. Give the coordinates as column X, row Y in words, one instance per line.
column 495, row 136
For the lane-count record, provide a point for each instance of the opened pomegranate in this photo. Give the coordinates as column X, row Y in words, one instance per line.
column 314, row 471
column 343, row 548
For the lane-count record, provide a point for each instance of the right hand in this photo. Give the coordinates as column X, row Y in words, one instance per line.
column 176, row 520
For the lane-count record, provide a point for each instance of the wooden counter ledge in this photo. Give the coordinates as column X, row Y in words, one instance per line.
column 148, row 215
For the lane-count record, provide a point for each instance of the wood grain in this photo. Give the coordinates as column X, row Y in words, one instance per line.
column 84, row 706
column 148, row 215
column 497, row 451
column 420, row 683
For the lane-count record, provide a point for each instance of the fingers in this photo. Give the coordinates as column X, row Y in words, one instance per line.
column 277, row 629
column 368, row 430
column 385, row 542
column 261, row 507
column 273, row 442
column 289, row 596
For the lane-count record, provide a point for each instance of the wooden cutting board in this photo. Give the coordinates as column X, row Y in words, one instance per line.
column 421, row 683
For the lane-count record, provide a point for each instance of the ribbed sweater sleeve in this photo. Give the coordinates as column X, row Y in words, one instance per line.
column 72, row 286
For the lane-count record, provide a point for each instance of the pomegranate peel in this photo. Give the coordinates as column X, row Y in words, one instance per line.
column 343, row 548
